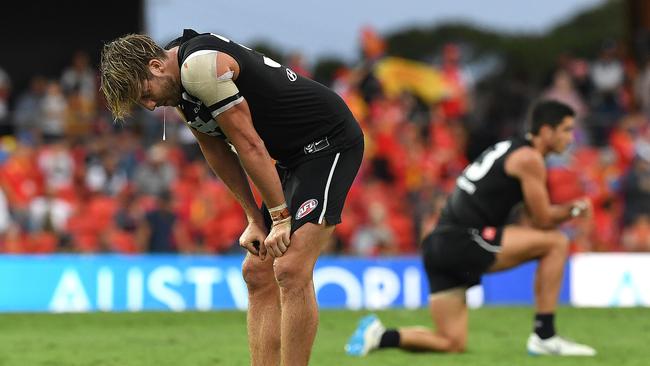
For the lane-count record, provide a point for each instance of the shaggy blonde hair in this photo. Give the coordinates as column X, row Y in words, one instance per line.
column 124, row 66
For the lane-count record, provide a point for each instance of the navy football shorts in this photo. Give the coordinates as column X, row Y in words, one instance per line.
column 456, row 256
column 315, row 190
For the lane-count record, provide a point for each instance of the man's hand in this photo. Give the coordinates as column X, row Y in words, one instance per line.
column 254, row 233
column 278, row 240
column 582, row 208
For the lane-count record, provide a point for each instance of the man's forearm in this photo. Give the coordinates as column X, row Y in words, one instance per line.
column 232, row 174
column 260, row 168
column 227, row 166
column 237, row 124
column 555, row 216
column 561, row 213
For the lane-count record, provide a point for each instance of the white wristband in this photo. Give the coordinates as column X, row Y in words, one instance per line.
column 279, row 222
column 278, row 208
column 578, row 208
column 575, row 211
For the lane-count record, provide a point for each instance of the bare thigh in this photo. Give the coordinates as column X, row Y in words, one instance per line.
column 521, row 244
column 306, row 245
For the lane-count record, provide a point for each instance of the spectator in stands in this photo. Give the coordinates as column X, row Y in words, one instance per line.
column 5, row 90
column 643, row 88
column 126, row 221
column 456, row 105
column 636, row 236
column 607, row 74
column 22, row 181
column 80, row 78
column 57, row 165
column 131, row 151
column 106, row 175
column 28, row 114
column 160, row 232
column 54, row 111
column 562, row 90
column 155, row 175
column 636, row 187
column 579, row 70
column 5, row 217
column 375, row 237
column 49, row 213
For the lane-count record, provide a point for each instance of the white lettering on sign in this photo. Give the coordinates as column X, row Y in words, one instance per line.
column 204, row 279
column 70, row 294
column 204, row 288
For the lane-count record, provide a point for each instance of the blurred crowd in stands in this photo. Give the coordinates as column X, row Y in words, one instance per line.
column 74, row 180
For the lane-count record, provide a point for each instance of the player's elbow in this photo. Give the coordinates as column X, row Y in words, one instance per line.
column 252, row 148
column 544, row 225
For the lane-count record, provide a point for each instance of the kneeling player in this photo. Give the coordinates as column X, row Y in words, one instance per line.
column 472, row 238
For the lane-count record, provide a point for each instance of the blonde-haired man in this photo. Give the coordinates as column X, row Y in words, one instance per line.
column 233, row 96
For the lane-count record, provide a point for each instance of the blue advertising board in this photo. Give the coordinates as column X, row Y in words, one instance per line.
column 72, row 283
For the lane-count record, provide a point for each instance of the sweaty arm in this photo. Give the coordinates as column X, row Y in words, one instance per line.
column 226, row 165
column 208, row 75
column 527, row 165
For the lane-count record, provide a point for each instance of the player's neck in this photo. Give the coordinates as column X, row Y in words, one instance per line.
column 539, row 145
column 172, row 63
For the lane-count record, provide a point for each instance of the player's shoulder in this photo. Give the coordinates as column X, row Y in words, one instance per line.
column 524, row 159
column 526, row 154
column 192, row 41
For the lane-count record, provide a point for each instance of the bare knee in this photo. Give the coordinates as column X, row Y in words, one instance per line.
column 457, row 348
column 559, row 242
column 257, row 275
column 291, row 275
column 554, row 242
column 456, row 344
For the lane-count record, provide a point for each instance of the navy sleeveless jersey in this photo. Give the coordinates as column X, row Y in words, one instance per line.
column 484, row 193
column 297, row 118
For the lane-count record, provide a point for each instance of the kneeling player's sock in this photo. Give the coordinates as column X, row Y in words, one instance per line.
column 390, row 338
column 545, row 325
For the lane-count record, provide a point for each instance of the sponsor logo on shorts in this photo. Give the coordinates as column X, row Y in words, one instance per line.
column 307, row 207
column 317, row 146
column 489, row 233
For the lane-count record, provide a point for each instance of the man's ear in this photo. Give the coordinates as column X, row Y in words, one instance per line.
column 156, row 67
column 545, row 131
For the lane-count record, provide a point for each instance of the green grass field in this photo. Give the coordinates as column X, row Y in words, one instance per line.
column 497, row 337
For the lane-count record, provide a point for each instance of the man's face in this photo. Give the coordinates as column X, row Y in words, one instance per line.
column 159, row 90
column 561, row 136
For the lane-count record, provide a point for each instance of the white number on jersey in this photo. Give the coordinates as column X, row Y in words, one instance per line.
column 270, row 62
column 478, row 169
column 267, row 61
column 220, row 37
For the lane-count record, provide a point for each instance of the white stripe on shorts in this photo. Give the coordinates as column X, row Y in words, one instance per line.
column 478, row 239
column 327, row 188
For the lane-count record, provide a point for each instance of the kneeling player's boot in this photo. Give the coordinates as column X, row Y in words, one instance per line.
column 557, row 346
column 366, row 337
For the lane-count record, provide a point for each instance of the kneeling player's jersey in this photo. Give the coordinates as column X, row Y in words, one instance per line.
column 485, row 194
column 297, row 118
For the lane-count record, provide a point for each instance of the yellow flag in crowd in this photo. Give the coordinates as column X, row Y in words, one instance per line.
column 398, row 75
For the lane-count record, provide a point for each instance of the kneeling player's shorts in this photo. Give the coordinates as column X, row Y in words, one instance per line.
column 456, row 256
column 315, row 190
